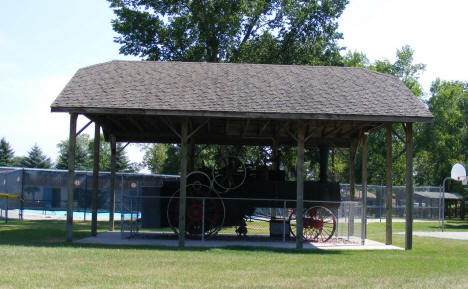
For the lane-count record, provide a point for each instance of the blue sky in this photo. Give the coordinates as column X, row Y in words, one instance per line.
column 43, row 43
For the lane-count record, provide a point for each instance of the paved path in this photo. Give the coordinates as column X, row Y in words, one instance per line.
column 443, row 235
column 115, row 238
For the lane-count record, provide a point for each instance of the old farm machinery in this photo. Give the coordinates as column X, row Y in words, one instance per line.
column 230, row 193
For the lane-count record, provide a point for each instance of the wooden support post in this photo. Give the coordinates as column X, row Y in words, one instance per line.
column 275, row 167
column 275, row 154
column 112, row 182
column 324, row 151
column 462, row 209
column 94, row 199
column 352, row 171
column 389, row 184
column 364, row 188
column 352, row 189
column 71, row 175
column 191, row 156
column 409, row 187
column 300, row 186
column 183, row 183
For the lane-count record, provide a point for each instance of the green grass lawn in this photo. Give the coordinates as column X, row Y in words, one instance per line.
column 34, row 255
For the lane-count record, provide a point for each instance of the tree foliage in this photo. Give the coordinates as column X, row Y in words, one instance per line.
column 6, row 153
column 444, row 142
column 36, row 159
column 285, row 32
column 82, row 160
column 84, row 149
column 264, row 31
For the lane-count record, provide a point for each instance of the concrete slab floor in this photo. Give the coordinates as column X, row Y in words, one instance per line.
column 115, row 238
column 442, row 235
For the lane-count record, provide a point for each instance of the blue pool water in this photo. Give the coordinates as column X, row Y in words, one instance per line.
column 75, row 214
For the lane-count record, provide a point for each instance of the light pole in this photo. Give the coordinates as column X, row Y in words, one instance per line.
column 442, row 204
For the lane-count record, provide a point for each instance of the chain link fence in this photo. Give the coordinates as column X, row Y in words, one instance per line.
column 44, row 192
column 242, row 219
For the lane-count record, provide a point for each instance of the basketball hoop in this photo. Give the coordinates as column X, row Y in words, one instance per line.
column 458, row 173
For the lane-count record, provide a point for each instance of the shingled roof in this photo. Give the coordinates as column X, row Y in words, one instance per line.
column 240, row 90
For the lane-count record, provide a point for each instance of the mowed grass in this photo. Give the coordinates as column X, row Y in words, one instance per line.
column 33, row 254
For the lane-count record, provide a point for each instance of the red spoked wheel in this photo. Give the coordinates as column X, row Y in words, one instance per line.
column 213, row 214
column 319, row 224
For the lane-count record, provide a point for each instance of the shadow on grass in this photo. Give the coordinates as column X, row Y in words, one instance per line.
column 454, row 225
column 51, row 233
column 63, row 244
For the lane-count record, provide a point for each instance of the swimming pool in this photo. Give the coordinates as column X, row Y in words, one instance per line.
column 75, row 214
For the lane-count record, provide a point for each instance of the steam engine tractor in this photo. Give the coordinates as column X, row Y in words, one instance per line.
column 230, row 193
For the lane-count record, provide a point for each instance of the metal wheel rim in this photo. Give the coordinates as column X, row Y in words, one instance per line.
column 213, row 231
column 312, row 231
column 225, row 188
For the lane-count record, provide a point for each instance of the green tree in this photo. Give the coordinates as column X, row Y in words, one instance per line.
column 155, row 156
column 289, row 32
column 82, row 159
column 404, row 69
column 6, row 153
column 36, row 159
column 122, row 163
column 84, row 155
column 444, row 142
column 356, row 59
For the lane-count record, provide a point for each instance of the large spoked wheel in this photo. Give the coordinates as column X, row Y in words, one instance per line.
column 319, row 224
column 198, row 178
column 213, row 215
column 228, row 174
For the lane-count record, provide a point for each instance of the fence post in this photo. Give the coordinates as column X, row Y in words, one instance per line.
column 364, row 188
column 22, row 197
column 203, row 221
column 122, row 220
column 6, row 211
column 284, row 221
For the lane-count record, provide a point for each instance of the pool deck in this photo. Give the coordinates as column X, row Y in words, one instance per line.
column 115, row 238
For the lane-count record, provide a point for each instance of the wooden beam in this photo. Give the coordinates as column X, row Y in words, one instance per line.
column 364, row 188
column 244, row 115
column 123, row 147
column 389, row 184
column 152, row 123
column 398, row 136
column 83, row 128
column 376, row 128
column 245, row 128
column 183, row 182
column 112, row 182
column 300, row 186
column 115, row 122
column 331, row 131
column 171, row 127
column 264, row 127
column 94, row 199
column 197, row 129
column 135, row 123
column 409, row 186
column 71, row 175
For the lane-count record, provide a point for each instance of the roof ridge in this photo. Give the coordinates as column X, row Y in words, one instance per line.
column 230, row 63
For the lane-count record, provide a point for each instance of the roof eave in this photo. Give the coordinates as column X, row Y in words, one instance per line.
column 252, row 115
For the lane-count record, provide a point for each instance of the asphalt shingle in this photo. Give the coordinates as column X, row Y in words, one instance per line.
column 240, row 88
